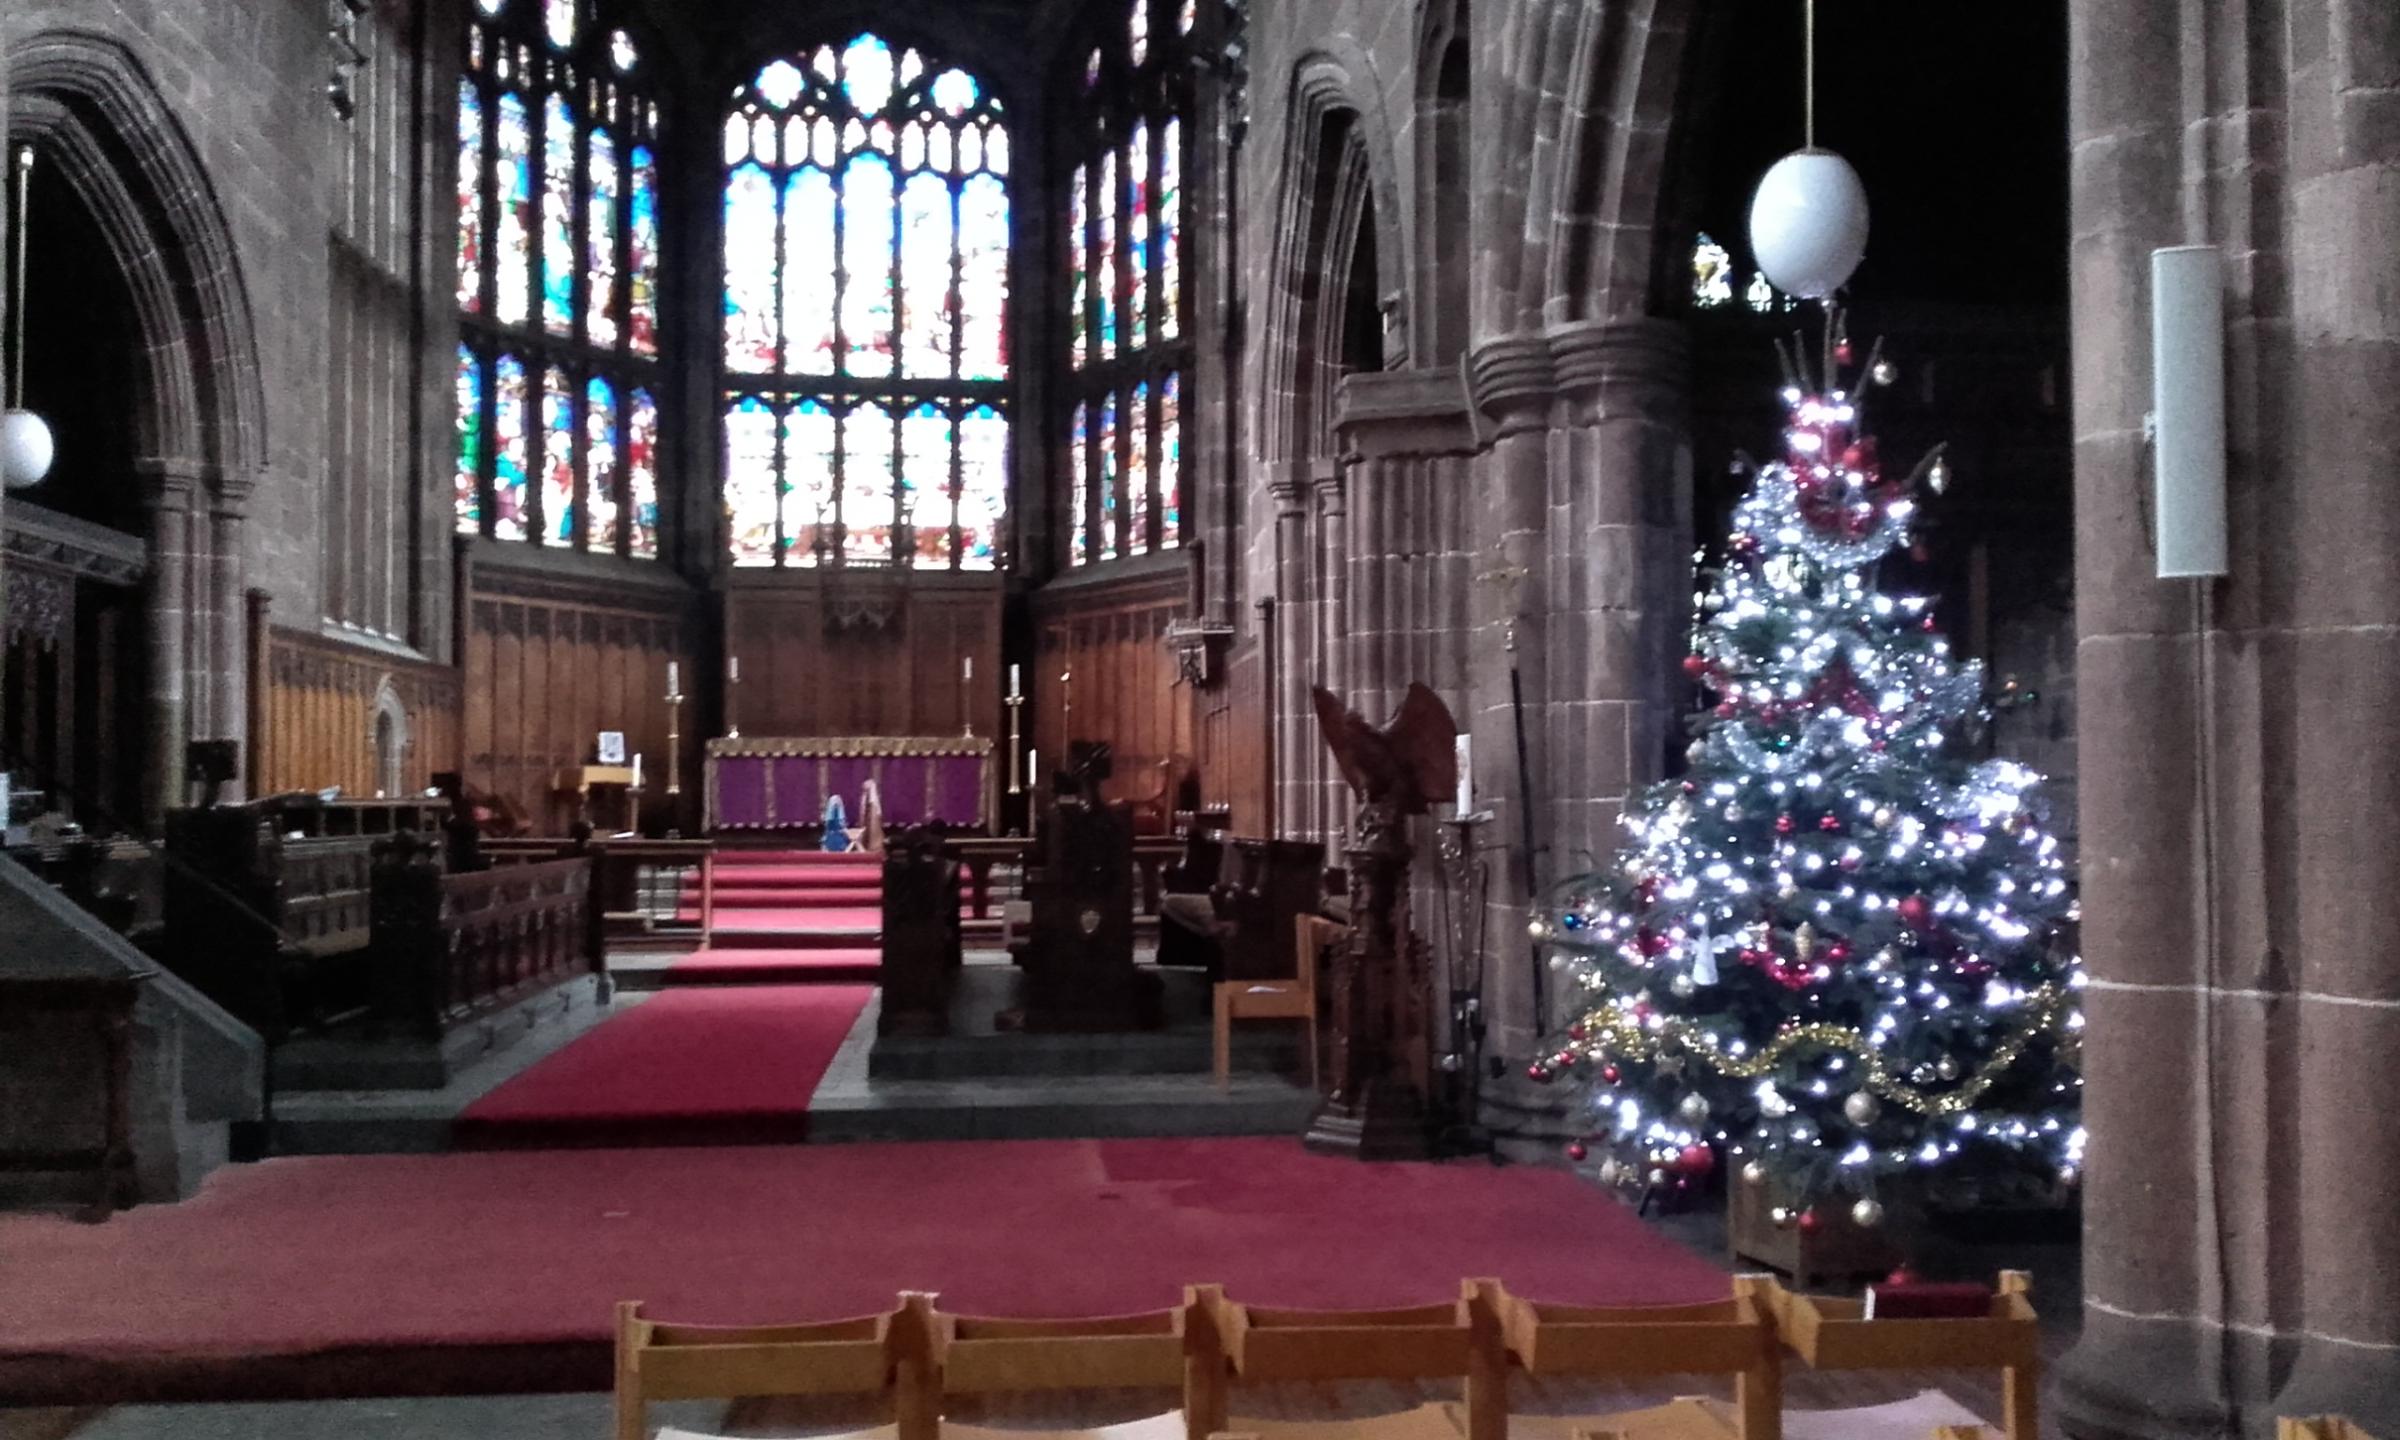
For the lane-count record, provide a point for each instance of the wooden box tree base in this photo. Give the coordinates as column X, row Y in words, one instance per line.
column 1839, row 1248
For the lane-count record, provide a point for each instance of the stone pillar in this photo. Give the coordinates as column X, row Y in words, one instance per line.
column 227, row 612
column 1295, row 740
column 2242, row 1192
column 1333, row 636
column 172, row 495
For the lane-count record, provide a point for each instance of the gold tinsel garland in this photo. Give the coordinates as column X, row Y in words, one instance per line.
column 1616, row 1033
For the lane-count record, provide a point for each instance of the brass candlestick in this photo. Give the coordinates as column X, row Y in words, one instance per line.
column 1016, row 720
column 674, row 756
column 733, row 692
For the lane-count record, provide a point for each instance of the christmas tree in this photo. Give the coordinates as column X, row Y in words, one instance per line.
column 1835, row 950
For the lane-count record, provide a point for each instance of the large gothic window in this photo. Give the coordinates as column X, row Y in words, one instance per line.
column 557, row 281
column 1128, row 352
column 866, row 312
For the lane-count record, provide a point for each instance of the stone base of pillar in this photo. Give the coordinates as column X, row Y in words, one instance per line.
column 2353, row 1381
column 1387, row 1122
column 2144, row 1380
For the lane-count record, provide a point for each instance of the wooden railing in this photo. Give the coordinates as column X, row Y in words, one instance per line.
column 981, row 854
column 451, row 948
column 273, row 929
column 626, row 877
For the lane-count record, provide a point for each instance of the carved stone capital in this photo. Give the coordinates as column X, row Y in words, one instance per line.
column 1640, row 364
column 1513, row 376
column 1288, row 483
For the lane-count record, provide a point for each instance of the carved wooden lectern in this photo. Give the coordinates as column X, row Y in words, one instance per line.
column 1380, row 1059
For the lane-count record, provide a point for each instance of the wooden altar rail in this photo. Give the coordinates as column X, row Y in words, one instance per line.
column 980, row 854
column 617, row 870
column 915, row 1357
column 451, row 948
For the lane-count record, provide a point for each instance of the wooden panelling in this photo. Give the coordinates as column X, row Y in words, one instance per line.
column 321, row 709
column 1103, row 672
column 549, row 666
column 1233, row 739
column 905, row 676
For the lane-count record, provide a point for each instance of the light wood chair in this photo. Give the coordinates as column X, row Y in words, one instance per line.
column 1832, row 1334
column 889, row 1354
column 1293, row 999
column 1460, row 1340
column 2321, row 1427
column 1735, row 1336
column 1160, row 1349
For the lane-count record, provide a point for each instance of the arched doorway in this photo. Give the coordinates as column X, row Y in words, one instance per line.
column 163, row 414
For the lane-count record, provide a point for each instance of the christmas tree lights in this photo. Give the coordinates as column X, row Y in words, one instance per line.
column 1838, row 949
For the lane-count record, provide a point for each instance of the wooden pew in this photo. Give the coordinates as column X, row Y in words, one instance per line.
column 1265, row 886
column 274, row 929
column 1459, row 1340
column 451, row 948
column 1159, row 1349
column 1834, row 1334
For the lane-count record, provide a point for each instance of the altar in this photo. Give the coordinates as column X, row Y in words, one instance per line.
column 767, row 785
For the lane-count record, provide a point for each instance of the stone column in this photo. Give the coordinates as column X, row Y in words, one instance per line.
column 1514, row 389
column 172, row 493
column 229, row 668
column 2242, row 1192
column 2344, row 572
column 1333, row 634
column 1294, row 740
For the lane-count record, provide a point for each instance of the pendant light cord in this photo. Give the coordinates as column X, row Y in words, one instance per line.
column 1808, row 69
column 16, row 297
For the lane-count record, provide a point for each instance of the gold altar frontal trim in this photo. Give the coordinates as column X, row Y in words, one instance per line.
column 848, row 747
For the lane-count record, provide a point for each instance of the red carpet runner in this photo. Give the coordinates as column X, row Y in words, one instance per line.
column 378, row 1275
column 787, row 917
column 699, row 1066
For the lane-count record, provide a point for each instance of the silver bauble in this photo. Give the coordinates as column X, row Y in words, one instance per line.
column 1694, row 1109
column 1937, row 479
column 1658, row 1177
column 1884, row 816
column 1539, row 929
column 1682, row 986
column 1947, row 1067
column 1754, row 1174
column 1885, row 373
column 1773, row 1105
column 1782, row 1216
column 1862, row 1108
column 1866, row 1214
column 1609, row 1171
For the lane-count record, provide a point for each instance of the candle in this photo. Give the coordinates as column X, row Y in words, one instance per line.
column 672, row 687
column 637, row 769
column 1013, row 691
column 968, row 673
column 737, row 669
column 1466, row 775
column 1033, row 768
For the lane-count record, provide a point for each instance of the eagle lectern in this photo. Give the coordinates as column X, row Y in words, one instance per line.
column 1381, row 975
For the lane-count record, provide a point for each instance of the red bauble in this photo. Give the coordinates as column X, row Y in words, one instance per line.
column 1695, row 666
column 1691, row 787
column 1837, row 952
column 1576, row 1151
column 1927, row 625
column 1901, row 1276
column 1697, row 1160
column 1916, row 912
column 1829, row 823
column 1853, row 457
column 1650, row 942
column 1575, row 1033
column 1841, row 351
column 1784, row 825
column 1726, row 710
column 1809, row 1223
column 1611, row 1074
column 1538, row 1073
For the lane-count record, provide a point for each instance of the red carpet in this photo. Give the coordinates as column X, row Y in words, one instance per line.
column 719, row 965
column 788, row 900
column 454, row 1273
column 685, row 1067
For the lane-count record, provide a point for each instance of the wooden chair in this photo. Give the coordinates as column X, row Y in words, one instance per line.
column 1293, row 999
column 889, row 1354
column 2321, row 1427
column 1158, row 1350
column 1832, row 1334
column 1734, row 1336
column 1460, row 1340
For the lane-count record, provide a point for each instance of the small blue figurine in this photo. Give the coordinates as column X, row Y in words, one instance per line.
column 837, row 826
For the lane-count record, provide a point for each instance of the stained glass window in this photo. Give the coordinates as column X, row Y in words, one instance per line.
column 866, row 312
column 557, row 281
column 1127, row 351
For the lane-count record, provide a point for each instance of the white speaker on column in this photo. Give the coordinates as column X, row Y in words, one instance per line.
column 2187, row 369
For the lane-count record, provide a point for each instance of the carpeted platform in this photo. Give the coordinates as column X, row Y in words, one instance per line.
column 700, row 1066
column 496, row 1271
column 721, row 965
